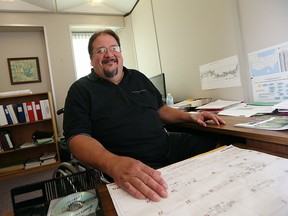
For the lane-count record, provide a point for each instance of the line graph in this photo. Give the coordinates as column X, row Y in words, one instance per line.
column 220, row 74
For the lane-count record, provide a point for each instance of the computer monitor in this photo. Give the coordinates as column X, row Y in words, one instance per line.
column 159, row 82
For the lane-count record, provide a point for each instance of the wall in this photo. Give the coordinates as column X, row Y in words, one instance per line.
column 192, row 33
column 34, row 46
column 52, row 43
column 188, row 34
column 145, row 39
column 263, row 24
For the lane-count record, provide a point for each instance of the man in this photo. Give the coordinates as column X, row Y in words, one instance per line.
column 113, row 121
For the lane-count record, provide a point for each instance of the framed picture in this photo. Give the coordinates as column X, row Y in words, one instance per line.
column 24, row 70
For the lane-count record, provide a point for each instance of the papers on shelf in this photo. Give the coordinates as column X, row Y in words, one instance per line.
column 218, row 105
column 27, row 145
column 244, row 110
column 267, row 123
column 230, row 181
column 17, row 92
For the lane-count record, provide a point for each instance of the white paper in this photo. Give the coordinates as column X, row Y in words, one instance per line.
column 244, row 110
column 230, row 181
column 218, row 105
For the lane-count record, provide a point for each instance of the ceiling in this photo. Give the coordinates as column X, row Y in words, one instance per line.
column 97, row 7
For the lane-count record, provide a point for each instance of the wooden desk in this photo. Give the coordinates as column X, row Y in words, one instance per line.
column 107, row 204
column 272, row 142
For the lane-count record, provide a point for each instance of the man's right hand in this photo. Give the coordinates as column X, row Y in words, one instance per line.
column 138, row 179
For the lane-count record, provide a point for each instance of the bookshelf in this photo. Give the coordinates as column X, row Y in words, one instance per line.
column 22, row 132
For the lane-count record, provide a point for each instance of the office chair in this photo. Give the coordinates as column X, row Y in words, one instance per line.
column 70, row 165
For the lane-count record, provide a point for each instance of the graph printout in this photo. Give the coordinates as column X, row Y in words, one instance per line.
column 229, row 181
column 269, row 73
column 220, row 74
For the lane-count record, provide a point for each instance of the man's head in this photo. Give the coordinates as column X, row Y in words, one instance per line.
column 105, row 55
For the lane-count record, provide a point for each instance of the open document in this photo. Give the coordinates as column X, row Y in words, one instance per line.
column 229, row 181
column 266, row 123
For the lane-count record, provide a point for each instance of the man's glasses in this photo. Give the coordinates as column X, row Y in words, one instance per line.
column 103, row 50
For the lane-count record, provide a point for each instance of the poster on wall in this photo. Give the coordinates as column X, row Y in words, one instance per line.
column 220, row 74
column 269, row 73
column 24, row 70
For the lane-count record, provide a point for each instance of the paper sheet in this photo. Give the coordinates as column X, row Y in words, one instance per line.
column 231, row 181
column 244, row 110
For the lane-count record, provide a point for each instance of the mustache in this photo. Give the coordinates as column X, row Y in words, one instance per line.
column 108, row 60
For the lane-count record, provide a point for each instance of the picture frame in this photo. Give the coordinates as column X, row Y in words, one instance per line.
column 24, row 70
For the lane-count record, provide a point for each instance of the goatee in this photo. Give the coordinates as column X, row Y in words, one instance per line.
column 111, row 74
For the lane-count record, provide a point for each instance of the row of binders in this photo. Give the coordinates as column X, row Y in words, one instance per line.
column 28, row 111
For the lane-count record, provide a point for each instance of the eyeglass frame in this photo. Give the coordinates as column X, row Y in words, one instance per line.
column 103, row 50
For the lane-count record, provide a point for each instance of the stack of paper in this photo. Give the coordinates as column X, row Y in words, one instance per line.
column 31, row 163
column 48, row 157
column 190, row 103
column 218, row 105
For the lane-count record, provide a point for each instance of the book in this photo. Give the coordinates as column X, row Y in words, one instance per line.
column 47, row 155
column 3, row 119
column 26, row 112
column 4, row 141
column 12, row 113
column 34, row 110
column 44, row 140
column 48, row 161
column 20, row 113
column 266, row 123
column 30, row 111
column 34, row 162
column 1, row 148
column 9, row 141
column 8, row 116
column 45, row 108
column 38, row 110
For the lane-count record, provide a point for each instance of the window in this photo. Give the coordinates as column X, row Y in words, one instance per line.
column 81, row 55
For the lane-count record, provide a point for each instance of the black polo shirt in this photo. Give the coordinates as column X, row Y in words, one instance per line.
column 122, row 117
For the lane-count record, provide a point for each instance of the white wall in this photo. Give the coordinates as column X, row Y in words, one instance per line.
column 52, row 44
column 196, row 32
column 24, row 44
column 188, row 34
column 145, row 39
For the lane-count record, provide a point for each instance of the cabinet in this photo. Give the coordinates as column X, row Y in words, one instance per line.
column 22, row 132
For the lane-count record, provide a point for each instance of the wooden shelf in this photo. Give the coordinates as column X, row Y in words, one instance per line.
column 22, row 132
